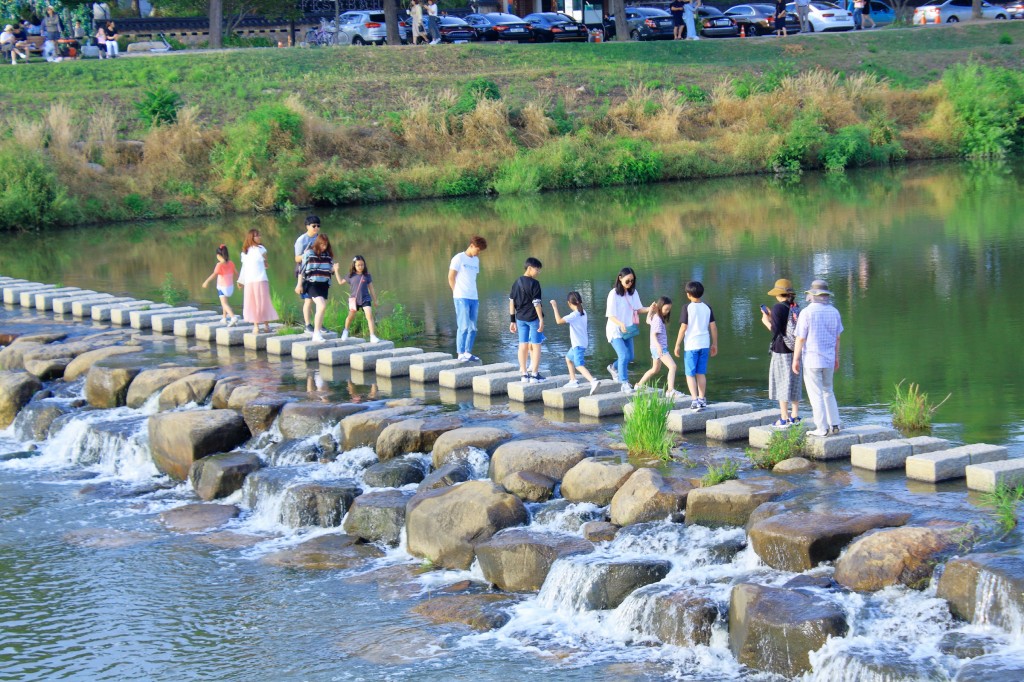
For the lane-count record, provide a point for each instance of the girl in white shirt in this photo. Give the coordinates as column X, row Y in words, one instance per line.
column 622, row 310
column 578, row 339
column 256, row 307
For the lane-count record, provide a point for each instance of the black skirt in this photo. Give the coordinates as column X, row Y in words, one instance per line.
column 318, row 289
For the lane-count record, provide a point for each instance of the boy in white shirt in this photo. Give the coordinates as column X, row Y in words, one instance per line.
column 699, row 337
column 462, row 273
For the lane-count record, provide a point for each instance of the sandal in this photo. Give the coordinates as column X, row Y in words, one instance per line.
column 780, row 423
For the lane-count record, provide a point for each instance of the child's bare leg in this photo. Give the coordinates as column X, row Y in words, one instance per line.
column 691, row 385
column 702, row 385
column 649, row 374
column 794, row 405
column 535, row 358
column 524, row 351
column 369, row 321
column 586, row 374
column 671, row 364
column 572, row 370
column 225, row 308
column 348, row 320
column 321, row 308
column 784, row 409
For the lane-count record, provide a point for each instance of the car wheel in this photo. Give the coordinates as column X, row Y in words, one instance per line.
column 810, row 27
column 358, row 40
column 634, row 35
column 753, row 31
column 1000, row 17
column 952, row 20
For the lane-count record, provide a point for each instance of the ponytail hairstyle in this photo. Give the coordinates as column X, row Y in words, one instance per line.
column 659, row 305
column 250, row 240
column 352, row 270
column 222, row 251
column 575, row 299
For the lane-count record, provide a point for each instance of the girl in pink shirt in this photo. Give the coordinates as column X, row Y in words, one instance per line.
column 225, row 274
column 657, row 316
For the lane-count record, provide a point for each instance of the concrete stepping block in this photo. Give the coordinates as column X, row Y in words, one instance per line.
column 830, row 447
column 568, row 398
column 101, row 312
column 367, row 361
column 252, row 341
column 63, row 305
column 738, row 426
column 520, row 392
column 165, row 323
column 340, row 355
column 462, row 377
column 924, row 444
column 206, row 330
column 235, row 336
column 677, row 402
column 892, row 454
column 44, row 299
column 282, row 345
column 309, row 350
column 986, row 477
column 429, row 372
column 189, row 326
column 83, row 308
column 12, row 294
column 27, row 298
column 605, row 404
column 495, row 383
column 399, row 367
column 944, row 465
column 760, row 436
column 687, row 421
column 142, row 319
column 871, row 433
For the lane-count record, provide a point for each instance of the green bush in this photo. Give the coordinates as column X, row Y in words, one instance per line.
column 457, row 182
column 693, row 93
column 645, row 430
column 158, row 106
column 633, row 162
column 265, row 145
column 912, row 410
column 517, row 176
column 783, row 444
column 1005, row 39
column 171, row 292
column 989, row 107
column 138, row 206
column 472, row 92
column 800, row 145
column 338, row 187
column 31, row 196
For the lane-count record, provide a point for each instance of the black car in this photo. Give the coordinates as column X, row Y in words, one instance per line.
column 551, row 27
column 455, row 30
column 645, row 23
column 712, row 23
column 500, row 26
column 759, row 20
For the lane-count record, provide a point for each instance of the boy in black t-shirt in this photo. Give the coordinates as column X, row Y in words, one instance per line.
column 527, row 320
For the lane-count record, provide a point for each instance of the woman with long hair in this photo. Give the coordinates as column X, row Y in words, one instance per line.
column 623, row 309
column 256, row 306
column 315, row 279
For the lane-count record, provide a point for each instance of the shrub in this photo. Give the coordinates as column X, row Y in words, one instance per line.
column 31, row 196
column 911, row 410
column 1005, row 39
column 158, row 106
column 634, row 162
column 693, row 93
column 472, row 92
column 784, row 444
column 801, row 143
column 138, row 206
column 727, row 471
column 396, row 326
column 988, row 105
column 171, row 292
column 338, row 187
column 1005, row 502
column 645, row 430
column 517, row 176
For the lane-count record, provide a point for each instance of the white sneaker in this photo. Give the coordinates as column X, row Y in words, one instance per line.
column 233, row 321
column 611, row 370
column 820, row 433
column 573, row 384
column 344, row 335
column 317, row 337
column 626, row 388
column 374, row 339
column 672, row 395
column 593, row 387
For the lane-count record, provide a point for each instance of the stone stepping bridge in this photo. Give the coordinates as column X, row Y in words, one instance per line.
column 341, row 352
column 987, row 476
column 43, row 300
column 892, row 454
column 65, row 304
column 687, row 421
column 528, row 392
column 945, row 465
column 283, row 344
column 827, row 447
column 463, row 377
column 164, row 323
column 27, row 297
column 366, row 361
column 143, row 319
column 12, row 293
column 102, row 312
column 399, row 366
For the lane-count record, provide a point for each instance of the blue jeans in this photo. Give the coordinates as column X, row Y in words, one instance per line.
column 691, row 30
column 624, row 351
column 466, row 310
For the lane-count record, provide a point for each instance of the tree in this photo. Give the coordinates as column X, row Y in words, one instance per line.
column 618, row 8
column 976, row 9
column 216, row 15
column 391, row 21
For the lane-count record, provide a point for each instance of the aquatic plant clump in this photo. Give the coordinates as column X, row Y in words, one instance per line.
column 1005, row 502
column 720, row 473
column 782, row 445
column 911, row 410
column 171, row 292
column 645, row 430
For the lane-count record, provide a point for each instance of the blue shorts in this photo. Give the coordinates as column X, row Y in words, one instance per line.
column 225, row 292
column 575, row 356
column 658, row 352
column 696, row 361
column 528, row 332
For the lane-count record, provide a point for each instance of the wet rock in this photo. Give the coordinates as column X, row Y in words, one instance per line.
column 107, row 387
column 293, row 451
column 16, row 389
column 365, row 427
column 648, row 496
column 479, row 611
column 599, row 531
column 177, row 439
column 222, row 391
column 195, row 388
column 967, row 645
column 820, row 582
column 567, row 515
column 680, row 616
column 328, row 448
column 518, row 560
column 300, row 420
column 152, row 381
column 904, row 556
column 451, row 473
column 549, row 458
column 992, row 667
column 412, row 435
column 793, row 465
column 391, row 645
column 528, row 486
column 775, row 629
column 220, row 475
column 13, row 356
column 47, row 368
column 227, row 539
column 608, row 582
column 799, row 541
column 318, row 504
column 394, row 473
column 1000, row 577
column 730, row 503
column 327, row 552
column 194, row 518
column 446, row 524
column 20, row 454
column 107, row 538
column 80, row 365
column 454, row 444
column 595, row 480
column 36, row 418
column 239, row 395
column 378, row 516
column 259, row 415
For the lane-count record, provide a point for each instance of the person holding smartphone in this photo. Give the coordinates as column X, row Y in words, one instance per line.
column 783, row 383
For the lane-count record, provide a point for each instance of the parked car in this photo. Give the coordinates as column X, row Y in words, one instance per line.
column 645, row 23
column 881, row 12
column 953, row 11
column 759, row 20
column 1014, row 10
column 363, row 27
column 456, row 30
column 500, row 26
column 712, row 23
column 824, row 16
column 551, row 27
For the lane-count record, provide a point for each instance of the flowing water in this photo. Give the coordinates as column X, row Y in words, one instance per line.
column 926, row 261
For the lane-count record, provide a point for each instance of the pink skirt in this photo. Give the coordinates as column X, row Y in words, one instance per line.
column 256, row 307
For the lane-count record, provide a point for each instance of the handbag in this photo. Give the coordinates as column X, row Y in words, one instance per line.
column 352, row 299
column 633, row 329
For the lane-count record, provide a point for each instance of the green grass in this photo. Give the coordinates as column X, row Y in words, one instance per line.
column 171, row 292
column 783, row 444
column 912, row 410
column 645, row 430
column 1005, row 502
column 726, row 471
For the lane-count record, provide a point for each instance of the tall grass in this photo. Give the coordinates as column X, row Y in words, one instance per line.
column 783, row 444
column 645, row 430
column 171, row 292
column 720, row 473
column 1005, row 502
column 911, row 409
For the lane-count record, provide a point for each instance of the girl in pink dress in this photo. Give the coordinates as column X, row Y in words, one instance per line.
column 256, row 307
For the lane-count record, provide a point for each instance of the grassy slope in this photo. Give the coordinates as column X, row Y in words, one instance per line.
column 361, row 84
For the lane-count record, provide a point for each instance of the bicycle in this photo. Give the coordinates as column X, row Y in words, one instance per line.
column 323, row 35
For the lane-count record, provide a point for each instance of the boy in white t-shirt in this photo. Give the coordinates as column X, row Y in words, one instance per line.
column 462, row 274
column 578, row 339
column 698, row 335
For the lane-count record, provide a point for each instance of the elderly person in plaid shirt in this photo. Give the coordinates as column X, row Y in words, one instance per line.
column 817, row 347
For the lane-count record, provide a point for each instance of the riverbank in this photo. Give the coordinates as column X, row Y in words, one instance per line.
column 275, row 129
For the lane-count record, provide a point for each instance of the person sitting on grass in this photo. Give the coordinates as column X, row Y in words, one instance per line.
column 8, row 44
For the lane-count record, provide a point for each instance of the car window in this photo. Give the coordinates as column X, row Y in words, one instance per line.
column 499, row 16
column 349, row 18
column 377, row 16
column 564, row 17
column 824, row 5
column 710, row 12
column 961, row 3
column 743, row 9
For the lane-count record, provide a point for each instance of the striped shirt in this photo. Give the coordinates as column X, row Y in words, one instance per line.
column 317, row 268
column 820, row 326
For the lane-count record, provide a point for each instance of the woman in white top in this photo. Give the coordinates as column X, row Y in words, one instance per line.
column 256, row 307
column 623, row 310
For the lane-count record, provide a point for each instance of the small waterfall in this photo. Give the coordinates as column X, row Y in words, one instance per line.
column 479, row 462
column 112, row 442
column 997, row 605
column 296, row 497
column 868, row 663
column 568, row 584
column 668, row 614
column 263, row 493
column 562, row 515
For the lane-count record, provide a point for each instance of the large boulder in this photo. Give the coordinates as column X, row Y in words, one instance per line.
column 595, row 583
column 293, row 451
column 221, row 397
column 324, row 553
column 178, row 439
column 152, row 381
column 363, row 428
column 528, row 486
column 12, row 357
column 800, row 540
column 446, row 524
column 395, row 473
column 80, row 365
column 992, row 667
column 548, row 458
column 456, row 443
column 412, row 435
column 479, row 611
column 47, row 368
column 107, row 387
column 238, row 395
column 900, row 556
column 301, row 420
column 675, row 615
column 648, row 496
column 595, row 480
column 518, row 559
column 730, row 503
column 35, row 419
column 16, row 389
column 775, row 629
column 451, row 473
column 220, row 475
column 259, row 415
column 1001, row 599
column 195, row 388
column 195, row 518
column 378, row 516
column 318, row 504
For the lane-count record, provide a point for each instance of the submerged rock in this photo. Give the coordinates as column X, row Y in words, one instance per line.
column 195, row 388
column 412, row 435
column 595, row 480
column 793, row 465
column 967, row 645
column 455, row 444
column 529, row 486
column 518, row 560
column 599, row 531
column 378, row 516
column 648, row 496
column 451, row 473
column 992, row 667
column 730, row 503
column 194, row 518
column 107, row 538
column 479, row 611
column 301, row 420
column 327, row 552
column 152, row 381
column 107, row 387
column 394, row 473
column 259, row 414
column 177, row 439
column 16, row 389
column 986, row 588
column 220, row 475
column 548, row 458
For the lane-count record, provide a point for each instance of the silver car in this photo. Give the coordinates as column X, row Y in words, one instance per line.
column 363, row 27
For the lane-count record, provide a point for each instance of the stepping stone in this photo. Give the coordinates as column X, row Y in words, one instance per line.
column 12, row 282
column 339, row 355
column 189, row 326
column 12, row 294
column 495, row 383
column 83, row 308
column 165, row 323
column 235, row 336
column 947, row 464
column 566, row 398
column 428, row 372
column 103, row 311
column 462, row 377
column 250, row 341
column 63, row 305
column 44, row 299
column 27, row 299
column 142, row 319
column 986, row 477
column 282, row 345
column 308, row 350
column 399, row 367
column 522, row 392
column 739, row 425
column 687, row 421
column 206, row 330
column 604, row 405
column 892, row 454
column 830, row 447
column 367, row 361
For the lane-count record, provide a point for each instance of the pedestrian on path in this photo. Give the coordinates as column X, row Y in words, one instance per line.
column 803, row 9
column 783, row 384
column 690, row 7
column 526, row 313
column 817, row 352
column 302, row 245
column 698, row 336
column 433, row 23
column 225, row 274
column 579, row 339
column 677, row 8
column 658, row 316
column 462, row 274
column 623, row 309
column 256, row 304
column 314, row 280
column 361, row 297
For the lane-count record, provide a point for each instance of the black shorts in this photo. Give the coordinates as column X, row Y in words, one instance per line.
column 677, row 21
column 317, row 289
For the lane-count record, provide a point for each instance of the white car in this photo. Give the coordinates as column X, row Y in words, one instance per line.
column 953, row 11
column 824, row 16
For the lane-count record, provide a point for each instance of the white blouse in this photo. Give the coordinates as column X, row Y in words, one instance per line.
column 254, row 269
column 620, row 307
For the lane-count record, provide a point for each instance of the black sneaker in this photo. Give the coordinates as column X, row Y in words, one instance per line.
column 834, row 431
column 537, row 378
column 309, row 329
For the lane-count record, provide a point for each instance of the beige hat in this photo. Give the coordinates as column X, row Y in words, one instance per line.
column 819, row 287
column 8, row 27
column 782, row 287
